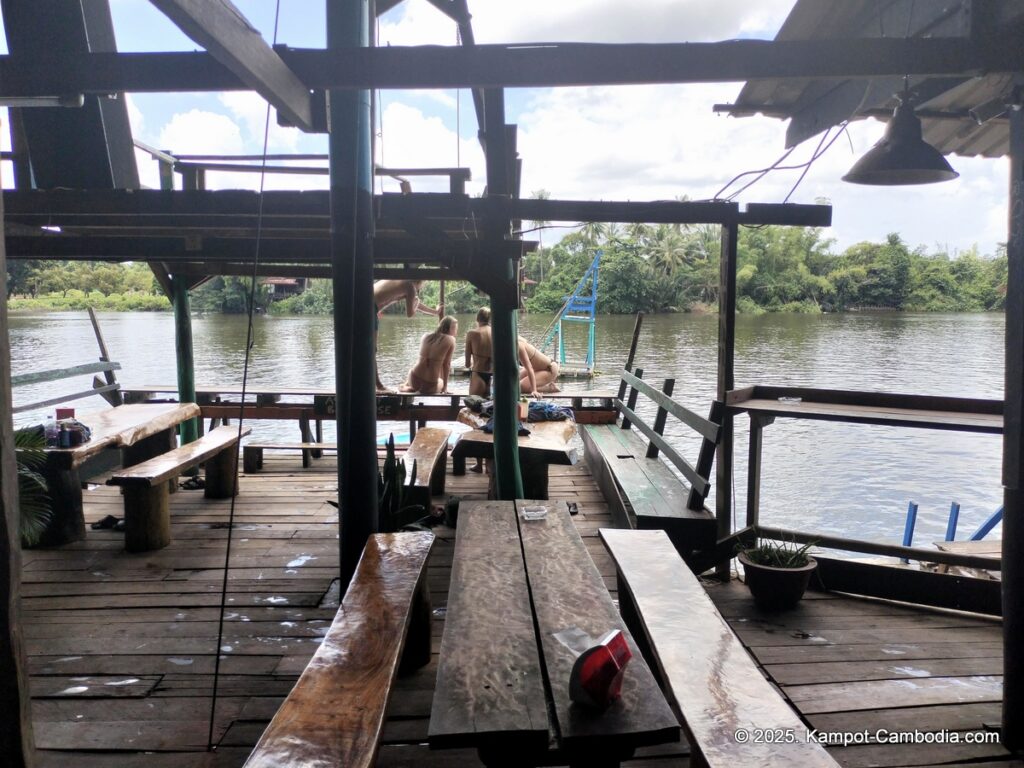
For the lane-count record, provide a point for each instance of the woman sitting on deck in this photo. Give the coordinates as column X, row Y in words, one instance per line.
column 430, row 374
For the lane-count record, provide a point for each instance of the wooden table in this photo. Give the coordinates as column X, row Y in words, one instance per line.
column 547, row 443
column 141, row 430
column 503, row 678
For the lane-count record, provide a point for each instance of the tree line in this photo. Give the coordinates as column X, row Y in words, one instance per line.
column 649, row 268
column 667, row 268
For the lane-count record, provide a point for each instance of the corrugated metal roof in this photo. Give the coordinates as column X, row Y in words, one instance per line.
column 943, row 103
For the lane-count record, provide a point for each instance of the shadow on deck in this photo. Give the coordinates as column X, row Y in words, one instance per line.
column 121, row 647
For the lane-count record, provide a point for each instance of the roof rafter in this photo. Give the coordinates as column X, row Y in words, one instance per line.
column 221, row 29
column 522, row 66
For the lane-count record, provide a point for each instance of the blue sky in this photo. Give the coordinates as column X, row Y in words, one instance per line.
column 621, row 143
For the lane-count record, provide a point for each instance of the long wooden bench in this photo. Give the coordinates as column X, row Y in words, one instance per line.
column 715, row 684
column 147, row 514
column 628, row 468
column 335, row 713
column 429, row 449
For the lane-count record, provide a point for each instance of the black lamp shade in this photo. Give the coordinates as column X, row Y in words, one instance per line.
column 901, row 156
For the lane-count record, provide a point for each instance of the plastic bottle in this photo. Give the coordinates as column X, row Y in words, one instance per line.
column 51, row 433
column 64, row 437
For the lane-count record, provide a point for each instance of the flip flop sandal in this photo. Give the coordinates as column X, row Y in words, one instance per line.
column 192, row 484
column 107, row 522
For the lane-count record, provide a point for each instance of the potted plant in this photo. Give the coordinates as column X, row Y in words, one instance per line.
column 777, row 572
column 33, row 496
column 393, row 492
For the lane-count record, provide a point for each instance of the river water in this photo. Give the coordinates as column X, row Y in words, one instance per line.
column 853, row 480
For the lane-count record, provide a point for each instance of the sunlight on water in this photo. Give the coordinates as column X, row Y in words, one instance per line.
column 836, row 478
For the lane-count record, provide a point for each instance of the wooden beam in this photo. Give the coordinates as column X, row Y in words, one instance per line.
column 15, row 714
column 522, row 66
column 235, row 208
column 221, row 29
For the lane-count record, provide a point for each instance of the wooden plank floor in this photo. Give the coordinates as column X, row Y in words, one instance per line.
column 860, row 665
column 121, row 647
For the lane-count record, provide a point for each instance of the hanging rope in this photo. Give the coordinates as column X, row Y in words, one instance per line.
column 241, row 410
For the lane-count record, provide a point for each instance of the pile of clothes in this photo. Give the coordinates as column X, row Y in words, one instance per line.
column 540, row 410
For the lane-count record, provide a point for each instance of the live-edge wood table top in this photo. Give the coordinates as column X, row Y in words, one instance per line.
column 548, row 441
column 514, row 581
column 123, row 425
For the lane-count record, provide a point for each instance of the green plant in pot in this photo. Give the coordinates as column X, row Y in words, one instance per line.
column 393, row 504
column 33, row 494
column 777, row 572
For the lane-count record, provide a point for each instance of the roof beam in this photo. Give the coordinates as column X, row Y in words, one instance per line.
column 221, row 29
column 521, row 66
column 225, row 208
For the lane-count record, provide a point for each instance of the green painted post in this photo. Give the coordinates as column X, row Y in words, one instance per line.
column 351, row 168
column 189, row 430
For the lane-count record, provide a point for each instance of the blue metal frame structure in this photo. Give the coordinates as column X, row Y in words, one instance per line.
column 581, row 307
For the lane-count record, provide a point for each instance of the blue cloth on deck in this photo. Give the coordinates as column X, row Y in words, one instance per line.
column 543, row 410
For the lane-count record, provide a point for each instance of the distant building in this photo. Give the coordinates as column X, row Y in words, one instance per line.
column 283, row 287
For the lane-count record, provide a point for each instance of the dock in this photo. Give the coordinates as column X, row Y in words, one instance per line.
column 121, row 647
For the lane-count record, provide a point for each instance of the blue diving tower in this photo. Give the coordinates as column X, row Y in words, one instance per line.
column 581, row 307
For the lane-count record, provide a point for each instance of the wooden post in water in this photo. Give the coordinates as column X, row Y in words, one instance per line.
column 1013, row 446
column 351, row 177
column 632, row 351
column 726, row 358
column 15, row 714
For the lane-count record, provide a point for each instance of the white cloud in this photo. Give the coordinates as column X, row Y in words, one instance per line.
column 250, row 109
column 609, row 21
column 198, row 132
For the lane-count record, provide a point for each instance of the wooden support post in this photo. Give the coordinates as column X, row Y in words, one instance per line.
column 351, row 195
column 65, row 490
column 660, row 417
column 307, row 437
column 504, row 306
column 189, row 430
column 632, row 351
column 416, row 653
column 726, row 358
column 222, row 474
column 631, row 402
column 757, row 424
column 1013, row 445
column 147, row 518
column 15, row 713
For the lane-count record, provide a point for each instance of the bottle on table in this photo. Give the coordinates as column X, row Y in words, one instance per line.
column 64, row 437
column 51, row 432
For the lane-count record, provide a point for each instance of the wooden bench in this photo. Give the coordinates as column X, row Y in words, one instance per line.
column 628, row 469
column 429, row 449
column 715, row 684
column 502, row 680
column 335, row 713
column 147, row 514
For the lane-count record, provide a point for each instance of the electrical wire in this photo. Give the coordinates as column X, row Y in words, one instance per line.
column 249, row 343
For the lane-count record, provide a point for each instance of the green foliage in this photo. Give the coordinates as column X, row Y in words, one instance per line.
column 33, row 495
column 229, row 296
column 74, row 299
column 778, row 554
column 317, row 299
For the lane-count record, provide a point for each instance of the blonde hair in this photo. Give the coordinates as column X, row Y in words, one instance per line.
column 444, row 327
column 483, row 317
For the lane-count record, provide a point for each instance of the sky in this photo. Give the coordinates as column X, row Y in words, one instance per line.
column 597, row 143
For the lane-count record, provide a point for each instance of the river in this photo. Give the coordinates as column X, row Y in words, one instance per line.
column 844, row 479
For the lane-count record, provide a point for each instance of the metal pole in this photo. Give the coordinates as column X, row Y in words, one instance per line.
column 1013, row 447
column 351, row 176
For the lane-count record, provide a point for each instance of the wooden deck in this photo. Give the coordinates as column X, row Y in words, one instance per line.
column 122, row 646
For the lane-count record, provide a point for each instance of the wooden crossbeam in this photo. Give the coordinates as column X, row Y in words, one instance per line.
column 521, row 66
column 221, row 29
column 234, row 208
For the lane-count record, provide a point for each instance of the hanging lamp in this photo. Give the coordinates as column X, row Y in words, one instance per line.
column 901, row 156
